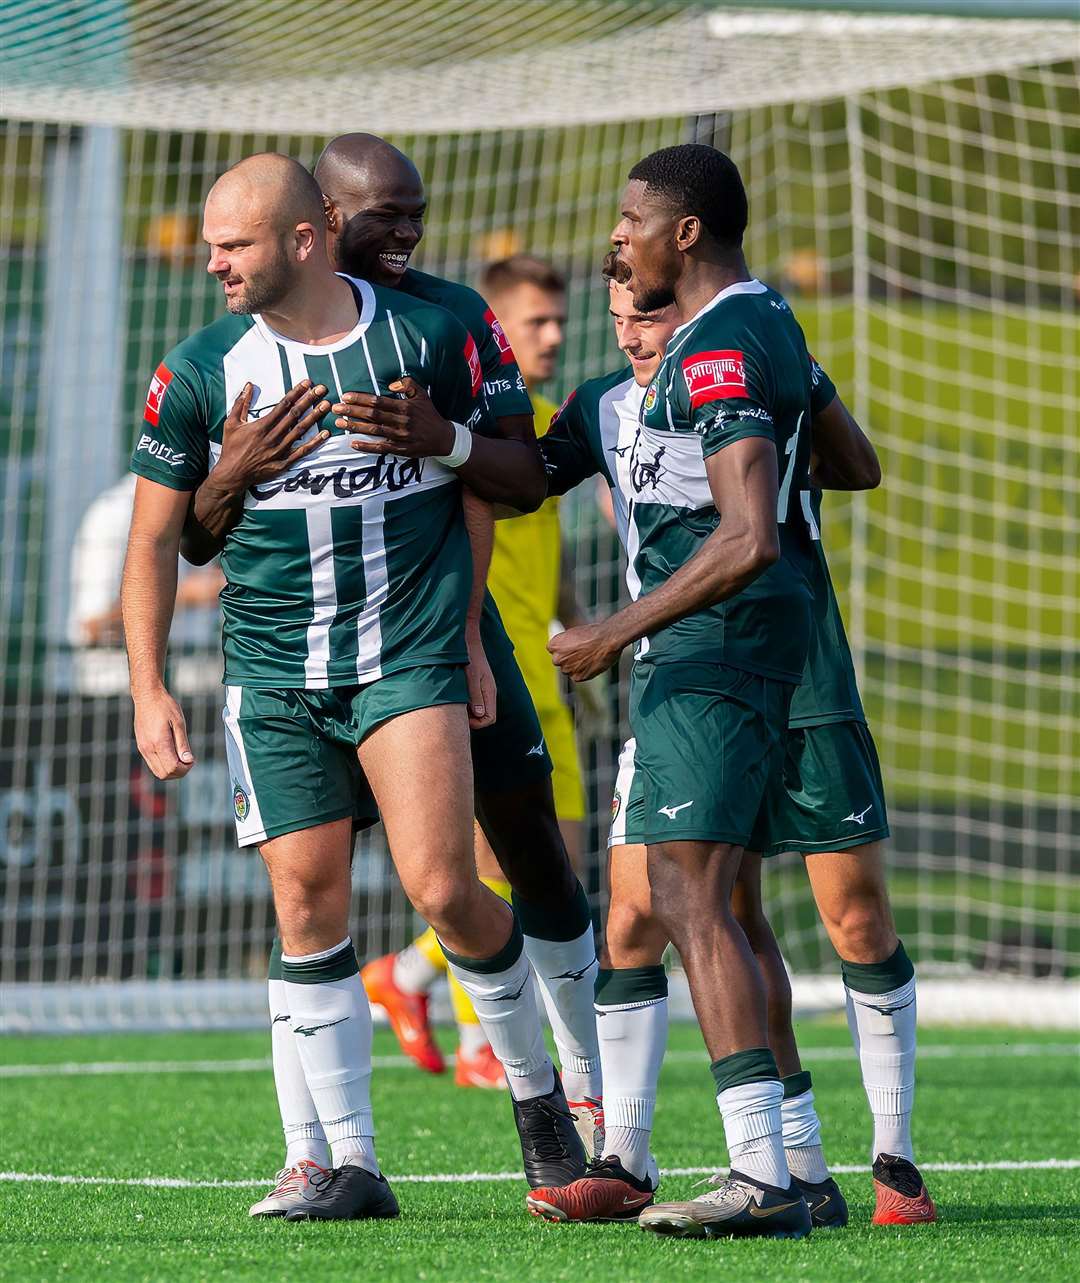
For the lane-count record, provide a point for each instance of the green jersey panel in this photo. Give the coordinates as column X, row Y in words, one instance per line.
column 348, row 566
column 738, row 369
column 504, row 385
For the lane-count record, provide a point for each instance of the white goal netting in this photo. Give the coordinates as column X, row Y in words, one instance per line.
column 913, row 185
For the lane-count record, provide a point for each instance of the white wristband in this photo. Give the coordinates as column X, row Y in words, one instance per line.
column 462, row 448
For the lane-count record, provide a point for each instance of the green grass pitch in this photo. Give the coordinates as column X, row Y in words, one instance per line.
column 985, row 1096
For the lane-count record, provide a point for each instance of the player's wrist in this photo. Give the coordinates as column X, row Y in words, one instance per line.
column 460, row 447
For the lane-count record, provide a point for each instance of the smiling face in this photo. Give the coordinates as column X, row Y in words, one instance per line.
column 642, row 336
column 376, row 218
column 647, row 238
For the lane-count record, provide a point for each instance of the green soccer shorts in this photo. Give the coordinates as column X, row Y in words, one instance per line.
column 512, row 753
column 292, row 753
column 829, row 796
column 708, row 740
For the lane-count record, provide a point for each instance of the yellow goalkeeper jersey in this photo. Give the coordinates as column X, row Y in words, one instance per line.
column 524, row 580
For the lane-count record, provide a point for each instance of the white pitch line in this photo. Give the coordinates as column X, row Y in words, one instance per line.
column 468, row 1178
column 932, row 1051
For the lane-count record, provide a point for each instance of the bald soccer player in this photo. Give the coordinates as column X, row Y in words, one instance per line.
column 347, row 588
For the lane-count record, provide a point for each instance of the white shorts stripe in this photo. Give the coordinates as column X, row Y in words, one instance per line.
column 249, row 829
column 624, row 783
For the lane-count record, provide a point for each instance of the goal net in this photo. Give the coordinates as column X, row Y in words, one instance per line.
column 913, row 187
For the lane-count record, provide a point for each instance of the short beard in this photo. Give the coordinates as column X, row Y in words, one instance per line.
column 266, row 288
column 650, row 298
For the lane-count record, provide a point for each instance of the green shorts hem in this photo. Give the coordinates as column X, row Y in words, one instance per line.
column 837, row 844
column 690, row 835
column 309, row 822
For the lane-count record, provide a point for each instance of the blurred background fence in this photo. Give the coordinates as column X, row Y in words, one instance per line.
column 913, row 184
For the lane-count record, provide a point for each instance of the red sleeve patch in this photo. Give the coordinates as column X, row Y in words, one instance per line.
column 476, row 373
column 154, row 397
column 712, row 376
column 506, row 352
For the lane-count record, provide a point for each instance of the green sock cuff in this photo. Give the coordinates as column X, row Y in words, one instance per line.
column 566, row 922
column 273, row 968
column 879, row 977
column 339, row 965
column 502, row 961
column 622, row 985
column 755, row 1065
column 796, row 1084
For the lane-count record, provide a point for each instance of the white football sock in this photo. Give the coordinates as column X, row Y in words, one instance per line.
column 505, row 1001
column 331, row 1022
column 883, row 1029
column 633, row 1039
column 802, row 1138
column 754, row 1131
column 304, row 1135
column 566, row 972
column 413, row 972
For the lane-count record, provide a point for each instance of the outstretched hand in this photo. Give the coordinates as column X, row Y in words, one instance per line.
column 407, row 424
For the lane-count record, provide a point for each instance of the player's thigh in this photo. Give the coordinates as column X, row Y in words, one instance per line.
column 290, row 768
column 852, row 897
column 708, row 740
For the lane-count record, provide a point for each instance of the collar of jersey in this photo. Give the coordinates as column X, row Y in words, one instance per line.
column 365, row 306
column 753, row 286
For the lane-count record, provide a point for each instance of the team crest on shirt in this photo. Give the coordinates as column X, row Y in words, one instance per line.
column 645, row 471
column 158, row 385
column 241, row 802
column 651, row 397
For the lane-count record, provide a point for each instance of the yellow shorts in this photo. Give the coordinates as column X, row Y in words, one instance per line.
column 558, row 726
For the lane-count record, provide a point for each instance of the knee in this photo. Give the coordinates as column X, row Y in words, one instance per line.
column 861, row 928
column 446, row 903
column 633, row 936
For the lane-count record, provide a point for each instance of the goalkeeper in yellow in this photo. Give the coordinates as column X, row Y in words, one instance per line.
column 531, row 586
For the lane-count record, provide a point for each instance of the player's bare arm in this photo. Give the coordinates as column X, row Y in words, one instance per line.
column 743, row 482
column 252, row 450
column 844, row 457
column 480, row 523
column 506, row 469
column 147, row 594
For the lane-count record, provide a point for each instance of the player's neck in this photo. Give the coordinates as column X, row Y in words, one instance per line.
column 703, row 278
column 318, row 311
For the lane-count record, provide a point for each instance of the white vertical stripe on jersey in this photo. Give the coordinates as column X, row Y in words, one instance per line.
column 323, row 594
column 376, row 588
column 370, row 368
column 250, row 829
column 337, row 377
column 808, row 513
column 397, row 345
column 254, row 360
column 294, row 354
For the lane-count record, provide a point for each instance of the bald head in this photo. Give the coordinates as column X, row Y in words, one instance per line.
column 264, row 223
column 375, row 206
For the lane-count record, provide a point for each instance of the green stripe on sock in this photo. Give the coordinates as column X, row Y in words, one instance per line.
column 796, row 1084
column 879, row 977
column 502, row 961
column 755, row 1065
column 567, row 922
column 319, row 971
column 622, row 985
column 273, row 969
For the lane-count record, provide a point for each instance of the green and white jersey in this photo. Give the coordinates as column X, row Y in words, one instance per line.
column 504, row 385
column 593, row 435
column 348, row 566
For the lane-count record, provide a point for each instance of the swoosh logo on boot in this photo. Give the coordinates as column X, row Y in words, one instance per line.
column 762, row 1212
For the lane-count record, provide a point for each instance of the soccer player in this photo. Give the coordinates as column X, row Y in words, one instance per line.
column 374, row 202
column 721, row 614
column 345, row 645
column 594, row 431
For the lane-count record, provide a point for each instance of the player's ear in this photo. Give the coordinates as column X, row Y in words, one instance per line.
column 306, row 240
column 333, row 214
column 687, row 232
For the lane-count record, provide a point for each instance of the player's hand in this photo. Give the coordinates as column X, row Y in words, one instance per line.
column 584, row 652
column 407, row 424
column 254, row 450
column 481, row 680
column 161, row 734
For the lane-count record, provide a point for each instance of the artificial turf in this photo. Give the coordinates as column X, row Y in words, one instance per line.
column 985, row 1096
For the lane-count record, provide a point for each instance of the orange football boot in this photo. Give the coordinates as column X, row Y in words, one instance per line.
column 480, row 1070
column 407, row 1013
column 901, row 1195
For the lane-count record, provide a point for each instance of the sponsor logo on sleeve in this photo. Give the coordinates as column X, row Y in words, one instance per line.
column 506, row 352
column 154, row 397
column 472, row 356
column 711, row 376
column 815, row 371
column 160, row 451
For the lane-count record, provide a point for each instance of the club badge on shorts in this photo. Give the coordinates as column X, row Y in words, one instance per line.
column 241, row 803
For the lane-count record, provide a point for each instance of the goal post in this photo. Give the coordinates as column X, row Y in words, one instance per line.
column 913, row 176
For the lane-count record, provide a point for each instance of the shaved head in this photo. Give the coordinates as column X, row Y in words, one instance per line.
column 375, row 204
column 264, row 223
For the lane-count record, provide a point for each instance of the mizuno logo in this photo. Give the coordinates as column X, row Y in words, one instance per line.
column 860, row 818
column 277, row 1018
column 762, row 1212
column 575, row 975
column 513, row 997
column 311, row 1030
column 537, row 750
column 672, row 811
column 888, row 1011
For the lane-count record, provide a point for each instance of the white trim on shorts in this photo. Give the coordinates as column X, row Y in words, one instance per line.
column 624, row 783
column 249, row 830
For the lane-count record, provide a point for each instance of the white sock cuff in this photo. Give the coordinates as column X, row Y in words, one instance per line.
column 602, row 1008
column 751, row 1111
column 572, row 1063
column 629, row 1111
column 801, row 1124
column 896, row 998
column 304, row 1131
column 317, row 957
column 359, row 1123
